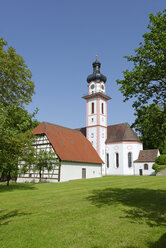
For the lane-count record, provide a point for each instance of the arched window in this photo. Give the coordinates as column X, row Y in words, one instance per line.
column 102, row 108
column 117, row 160
column 92, row 107
column 145, row 166
column 107, row 160
column 129, row 159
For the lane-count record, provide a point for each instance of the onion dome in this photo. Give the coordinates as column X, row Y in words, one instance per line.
column 96, row 76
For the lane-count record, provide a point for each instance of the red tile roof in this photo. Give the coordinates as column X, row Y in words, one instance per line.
column 70, row 145
column 121, row 132
column 147, row 155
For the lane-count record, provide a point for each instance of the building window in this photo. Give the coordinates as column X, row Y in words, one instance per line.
column 92, row 107
column 129, row 159
column 145, row 166
column 92, row 135
column 102, row 108
column 117, row 159
column 107, row 160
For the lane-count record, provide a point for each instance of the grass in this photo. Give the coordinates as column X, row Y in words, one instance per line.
column 115, row 212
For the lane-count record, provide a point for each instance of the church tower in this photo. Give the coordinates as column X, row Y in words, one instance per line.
column 96, row 102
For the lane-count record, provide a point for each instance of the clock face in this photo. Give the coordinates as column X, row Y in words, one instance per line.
column 92, row 86
column 102, row 87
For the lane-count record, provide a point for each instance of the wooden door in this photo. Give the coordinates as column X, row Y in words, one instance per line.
column 83, row 173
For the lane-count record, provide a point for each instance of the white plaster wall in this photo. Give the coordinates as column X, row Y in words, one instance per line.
column 103, row 121
column 92, row 122
column 122, row 148
column 92, row 139
column 103, row 134
column 73, row 170
column 134, row 148
column 139, row 166
column 35, row 180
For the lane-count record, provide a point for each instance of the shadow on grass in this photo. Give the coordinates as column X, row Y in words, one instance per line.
column 5, row 218
column 16, row 186
column 146, row 204
column 161, row 243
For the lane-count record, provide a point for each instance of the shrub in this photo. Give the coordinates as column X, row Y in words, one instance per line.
column 160, row 163
column 161, row 160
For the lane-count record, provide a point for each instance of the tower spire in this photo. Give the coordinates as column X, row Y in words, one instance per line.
column 96, row 76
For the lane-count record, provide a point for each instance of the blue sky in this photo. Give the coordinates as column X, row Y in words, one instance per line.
column 59, row 39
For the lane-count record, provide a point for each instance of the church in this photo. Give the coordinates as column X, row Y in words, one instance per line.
column 94, row 150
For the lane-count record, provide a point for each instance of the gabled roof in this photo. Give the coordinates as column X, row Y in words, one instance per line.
column 147, row 155
column 120, row 132
column 70, row 145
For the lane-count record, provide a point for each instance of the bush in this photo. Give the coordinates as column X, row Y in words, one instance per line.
column 160, row 163
column 158, row 167
column 161, row 160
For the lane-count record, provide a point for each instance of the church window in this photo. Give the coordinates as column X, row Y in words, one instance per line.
column 92, row 107
column 107, row 160
column 129, row 159
column 92, row 119
column 145, row 166
column 92, row 135
column 102, row 108
column 117, row 160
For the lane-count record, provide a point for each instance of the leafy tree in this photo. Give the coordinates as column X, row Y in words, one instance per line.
column 151, row 125
column 15, row 138
column 160, row 163
column 45, row 160
column 147, row 80
column 16, row 89
column 15, row 77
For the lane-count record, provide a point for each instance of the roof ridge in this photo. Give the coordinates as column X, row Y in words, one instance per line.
column 118, row 124
column 45, row 122
column 155, row 149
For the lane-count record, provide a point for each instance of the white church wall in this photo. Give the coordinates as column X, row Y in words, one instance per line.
column 74, row 170
column 133, row 148
column 140, row 168
column 121, row 148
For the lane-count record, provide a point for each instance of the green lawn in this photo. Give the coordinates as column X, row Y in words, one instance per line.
column 116, row 212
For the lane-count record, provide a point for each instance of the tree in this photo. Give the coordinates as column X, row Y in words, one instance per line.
column 15, row 77
column 151, row 125
column 147, row 80
column 16, row 124
column 45, row 160
column 16, row 137
column 160, row 163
